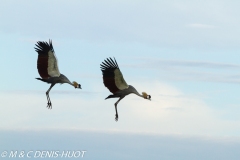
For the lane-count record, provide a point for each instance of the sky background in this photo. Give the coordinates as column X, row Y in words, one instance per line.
column 185, row 54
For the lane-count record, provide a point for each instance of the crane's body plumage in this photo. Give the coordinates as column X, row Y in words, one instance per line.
column 125, row 92
column 47, row 66
column 61, row 79
column 114, row 81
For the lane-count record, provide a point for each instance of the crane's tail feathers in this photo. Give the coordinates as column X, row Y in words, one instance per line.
column 111, row 96
column 42, row 80
column 39, row 79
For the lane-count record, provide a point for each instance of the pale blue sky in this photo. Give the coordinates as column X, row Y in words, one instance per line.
column 184, row 54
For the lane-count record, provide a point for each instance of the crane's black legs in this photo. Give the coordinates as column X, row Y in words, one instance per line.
column 116, row 115
column 49, row 104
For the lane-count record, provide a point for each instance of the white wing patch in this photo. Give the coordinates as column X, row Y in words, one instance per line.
column 119, row 81
column 53, row 70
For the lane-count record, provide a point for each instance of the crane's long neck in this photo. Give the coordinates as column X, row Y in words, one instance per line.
column 139, row 95
column 66, row 80
column 135, row 91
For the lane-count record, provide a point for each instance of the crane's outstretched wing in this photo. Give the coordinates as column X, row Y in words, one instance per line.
column 112, row 76
column 47, row 61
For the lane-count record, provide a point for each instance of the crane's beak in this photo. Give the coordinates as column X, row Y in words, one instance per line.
column 149, row 97
column 79, row 86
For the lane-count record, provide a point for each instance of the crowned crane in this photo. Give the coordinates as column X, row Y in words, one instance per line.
column 114, row 81
column 47, row 66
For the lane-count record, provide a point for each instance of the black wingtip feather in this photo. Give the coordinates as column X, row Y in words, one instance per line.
column 109, row 63
column 112, row 62
column 115, row 62
column 44, row 47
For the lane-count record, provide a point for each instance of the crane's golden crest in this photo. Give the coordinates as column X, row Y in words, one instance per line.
column 75, row 84
column 144, row 95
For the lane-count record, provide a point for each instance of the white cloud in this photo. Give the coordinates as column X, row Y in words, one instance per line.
column 170, row 112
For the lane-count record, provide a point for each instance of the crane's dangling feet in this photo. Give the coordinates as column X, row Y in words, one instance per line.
column 116, row 117
column 49, row 105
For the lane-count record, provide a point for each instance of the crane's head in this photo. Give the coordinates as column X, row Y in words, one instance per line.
column 146, row 96
column 76, row 85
